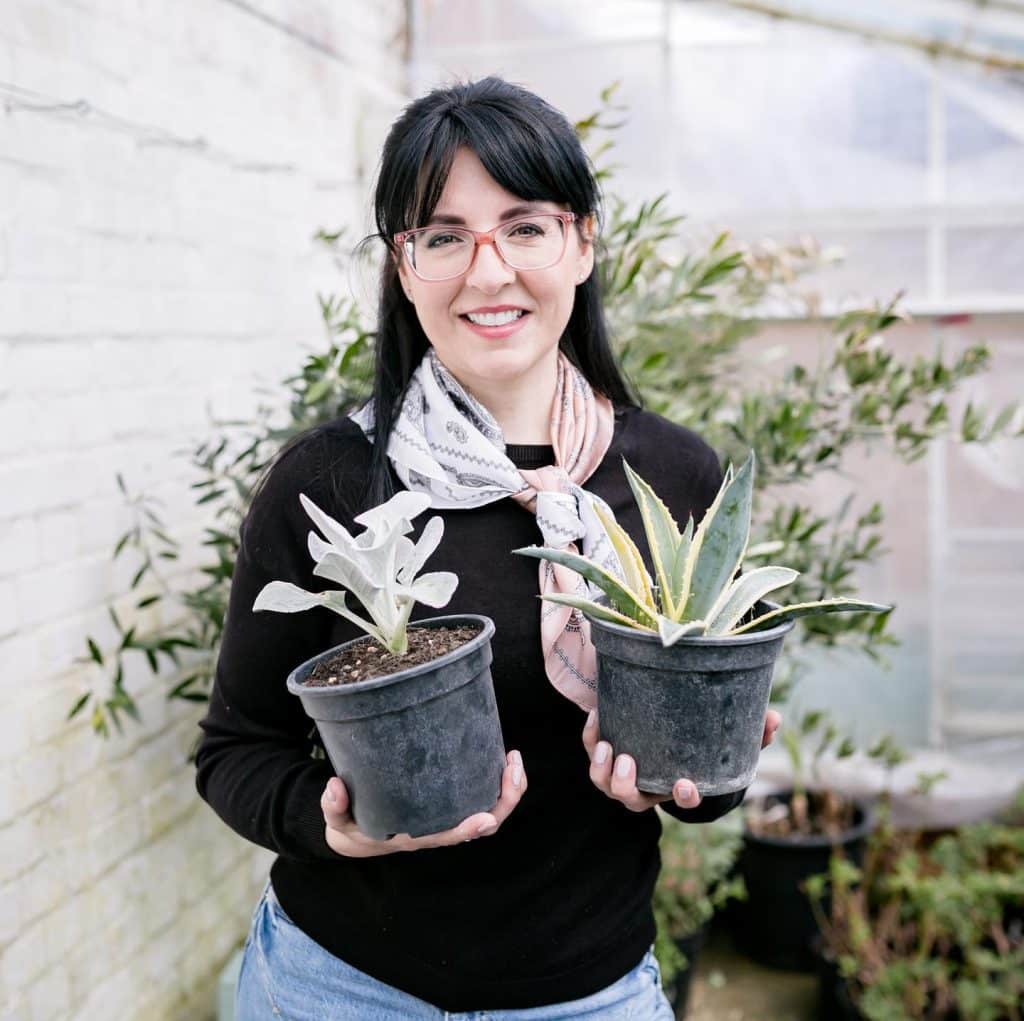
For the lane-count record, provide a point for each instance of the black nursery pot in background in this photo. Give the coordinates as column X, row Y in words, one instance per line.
column 775, row 924
column 694, row 709
column 419, row 750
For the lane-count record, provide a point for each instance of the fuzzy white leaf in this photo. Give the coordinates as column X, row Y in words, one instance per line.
column 284, row 597
column 429, row 540
column 335, row 533
column 395, row 514
column 434, row 589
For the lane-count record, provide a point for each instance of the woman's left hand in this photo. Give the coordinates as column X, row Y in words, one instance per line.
column 616, row 776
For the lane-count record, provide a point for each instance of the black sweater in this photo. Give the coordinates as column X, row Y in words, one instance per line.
column 555, row 905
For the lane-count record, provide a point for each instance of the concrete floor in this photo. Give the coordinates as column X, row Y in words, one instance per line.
column 730, row 987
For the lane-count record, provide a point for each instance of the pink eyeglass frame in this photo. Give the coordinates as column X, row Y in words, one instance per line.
column 483, row 237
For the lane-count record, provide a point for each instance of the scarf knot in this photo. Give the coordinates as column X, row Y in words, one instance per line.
column 447, row 444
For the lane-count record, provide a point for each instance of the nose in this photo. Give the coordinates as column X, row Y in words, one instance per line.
column 489, row 272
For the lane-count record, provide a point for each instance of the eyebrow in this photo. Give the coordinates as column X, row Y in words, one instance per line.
column 519, row 210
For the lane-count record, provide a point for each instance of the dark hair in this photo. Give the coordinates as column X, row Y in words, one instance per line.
column 532, row 151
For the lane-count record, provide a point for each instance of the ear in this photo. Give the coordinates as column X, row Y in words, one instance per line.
column 585, row 258
column 405, row 277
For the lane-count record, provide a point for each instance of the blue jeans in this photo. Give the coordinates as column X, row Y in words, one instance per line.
column 287, row 975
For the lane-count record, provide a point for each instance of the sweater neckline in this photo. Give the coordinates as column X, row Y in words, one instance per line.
column 530, row 455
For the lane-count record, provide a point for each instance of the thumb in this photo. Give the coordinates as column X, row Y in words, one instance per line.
column 334, row 802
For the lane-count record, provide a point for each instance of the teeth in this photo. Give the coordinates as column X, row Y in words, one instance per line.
column 494, row 318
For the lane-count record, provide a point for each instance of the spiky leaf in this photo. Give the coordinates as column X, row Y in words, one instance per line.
column 744, row 593
column 839, row 605
column 630, row 558
column 662, row 534
column 622, row 598
column 594, row 609
column 720, row 542
column 672, row 630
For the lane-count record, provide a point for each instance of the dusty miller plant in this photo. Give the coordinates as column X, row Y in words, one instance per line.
column 679, row 320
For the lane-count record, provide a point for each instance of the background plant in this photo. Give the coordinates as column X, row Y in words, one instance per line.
column 680, row 318
column 929, row 928
column 695, row 881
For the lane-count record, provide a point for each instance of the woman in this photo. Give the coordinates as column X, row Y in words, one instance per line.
column 496, row 392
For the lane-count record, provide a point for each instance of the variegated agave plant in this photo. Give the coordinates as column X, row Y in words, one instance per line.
column 378, row 567
column 696, row 592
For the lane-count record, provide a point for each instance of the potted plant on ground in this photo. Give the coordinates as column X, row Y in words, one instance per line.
column 789, row 836
column 695, row 881
column 931, row 927
column 407, row 715
column 685, row 664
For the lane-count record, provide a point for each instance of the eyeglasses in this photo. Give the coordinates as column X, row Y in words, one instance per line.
column 527, row 242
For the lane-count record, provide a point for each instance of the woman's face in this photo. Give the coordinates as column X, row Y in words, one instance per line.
column 529, row 352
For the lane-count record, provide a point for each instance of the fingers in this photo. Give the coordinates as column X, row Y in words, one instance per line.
column 591, row 733
column 513, row 787
column 345, row 837
column 616, row 777
column 685, row 794
column 772, row 722
column 482, row 824
column 334, row 802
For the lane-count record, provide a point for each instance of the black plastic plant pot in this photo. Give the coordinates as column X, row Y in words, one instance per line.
column 419, row 750
column 775, row 924
column 692, row 710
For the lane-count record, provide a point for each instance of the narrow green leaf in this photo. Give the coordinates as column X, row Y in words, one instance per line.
column 838, row 605
column 79, row 705
column 631, row 561
column 94, row 651
column 672, row 630
column 588, row 606
column 720, row 542
column 622, row 598
column 744, row 593
column 663, row 536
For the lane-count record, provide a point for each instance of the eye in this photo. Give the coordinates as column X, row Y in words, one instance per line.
column 442, row 240
column 528, row 229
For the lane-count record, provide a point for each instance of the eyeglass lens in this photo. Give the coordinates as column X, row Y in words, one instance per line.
column 535, row 242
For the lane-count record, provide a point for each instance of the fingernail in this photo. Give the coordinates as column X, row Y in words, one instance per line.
column 591, row 717
column 486, row 829
column 601, row 754
column 517, row 775
column 685, row 791
column 622, row 766
column 331, row 796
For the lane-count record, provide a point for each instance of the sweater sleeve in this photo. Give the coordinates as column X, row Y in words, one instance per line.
column 253, row 763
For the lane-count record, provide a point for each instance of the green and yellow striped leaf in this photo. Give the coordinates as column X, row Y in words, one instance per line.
column 623, row 599
column 809, row 609
column 662, row 535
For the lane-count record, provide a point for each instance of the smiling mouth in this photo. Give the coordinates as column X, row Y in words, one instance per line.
column 494, row 318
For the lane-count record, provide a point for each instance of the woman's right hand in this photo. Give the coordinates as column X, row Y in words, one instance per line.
column 344, row 837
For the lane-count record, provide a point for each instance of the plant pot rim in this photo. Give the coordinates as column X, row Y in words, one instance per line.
column 868, row 821
column 703, row 641
column 370, row 684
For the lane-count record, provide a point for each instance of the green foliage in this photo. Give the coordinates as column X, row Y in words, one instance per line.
column 694, row 883
column 929, row 926
column 680, row 315
column 698, row 592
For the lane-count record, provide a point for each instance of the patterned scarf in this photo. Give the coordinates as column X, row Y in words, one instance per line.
column 447, row 444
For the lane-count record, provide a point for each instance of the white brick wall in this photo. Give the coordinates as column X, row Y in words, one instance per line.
column 155, row 259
